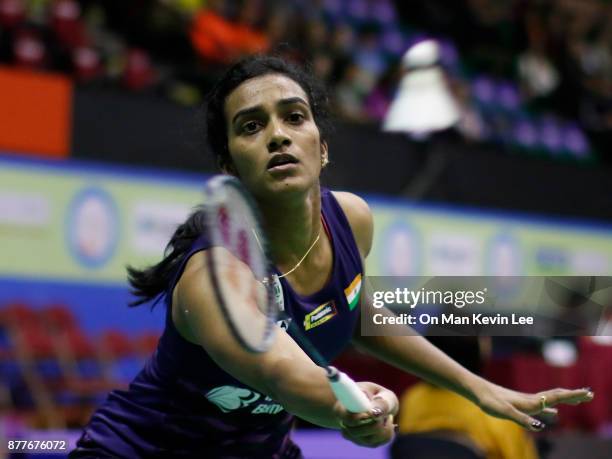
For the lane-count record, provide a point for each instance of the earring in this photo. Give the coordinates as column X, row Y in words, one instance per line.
column 324, row 161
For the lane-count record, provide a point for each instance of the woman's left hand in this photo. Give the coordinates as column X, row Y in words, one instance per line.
column 373, row 428
column 519, row 407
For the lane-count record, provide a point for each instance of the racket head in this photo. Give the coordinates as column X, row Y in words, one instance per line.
column 238, row 263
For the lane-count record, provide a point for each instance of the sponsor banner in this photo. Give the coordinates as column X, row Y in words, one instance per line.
column 428, row 241
column 86, row 224
column 154, row 223
column 488, row 306
column 36, row 112
column 75, row 222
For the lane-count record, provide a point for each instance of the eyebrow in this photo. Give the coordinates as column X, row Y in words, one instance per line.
column 282, row 102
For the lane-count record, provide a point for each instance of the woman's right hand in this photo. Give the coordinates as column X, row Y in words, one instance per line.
column 373, row 428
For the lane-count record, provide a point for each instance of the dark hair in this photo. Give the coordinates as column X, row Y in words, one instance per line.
column 149, row 283
column 252, row 67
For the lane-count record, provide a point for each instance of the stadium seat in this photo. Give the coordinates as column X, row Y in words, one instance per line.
column 383, row 13
column 67, row 25
column 5, row 343
column 17, row 313
column 116, row 344
column 138, row 73
column 147, row 343
column 12, row 13
column 34, row 341
column 80, row 346
column 483, row 89
column 58, row 317
column 509, row 96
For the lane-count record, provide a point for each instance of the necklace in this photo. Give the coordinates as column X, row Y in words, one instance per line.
column 301, row 259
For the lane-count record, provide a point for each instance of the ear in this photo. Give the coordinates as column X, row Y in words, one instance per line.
column 324, row 154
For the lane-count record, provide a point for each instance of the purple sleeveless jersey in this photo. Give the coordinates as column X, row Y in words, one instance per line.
column 183, row 405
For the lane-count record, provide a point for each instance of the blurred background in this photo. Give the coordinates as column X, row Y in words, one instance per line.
column 478, row 130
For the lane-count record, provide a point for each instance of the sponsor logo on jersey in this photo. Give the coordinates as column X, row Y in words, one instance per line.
column 268, row 407
column 232, row 398
column 320, row 315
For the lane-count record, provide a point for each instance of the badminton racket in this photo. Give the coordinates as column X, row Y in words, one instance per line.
column 245, row 285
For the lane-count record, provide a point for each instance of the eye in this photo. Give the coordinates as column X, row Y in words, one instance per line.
column 250, row 127
column 295, row 118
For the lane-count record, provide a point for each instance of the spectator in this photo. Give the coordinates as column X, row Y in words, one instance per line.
column 427, row 408
column 350, row 93
column 538, row 76
column 378, row 101
column 221, row 41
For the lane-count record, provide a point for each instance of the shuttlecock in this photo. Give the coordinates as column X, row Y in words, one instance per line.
column 423, row 103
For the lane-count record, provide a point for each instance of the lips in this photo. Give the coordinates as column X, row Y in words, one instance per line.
column 281, row 159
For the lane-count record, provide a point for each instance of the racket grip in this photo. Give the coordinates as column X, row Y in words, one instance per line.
column 347, row 391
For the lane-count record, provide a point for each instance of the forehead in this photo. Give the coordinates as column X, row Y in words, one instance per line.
column 262, row 90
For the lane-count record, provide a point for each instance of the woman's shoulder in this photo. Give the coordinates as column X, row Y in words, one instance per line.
column 360, row 219
column 187, row 287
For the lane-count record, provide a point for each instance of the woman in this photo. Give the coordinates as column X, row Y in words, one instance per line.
column 201, row 394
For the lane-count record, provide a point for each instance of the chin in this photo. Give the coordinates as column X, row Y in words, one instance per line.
column 289, row 185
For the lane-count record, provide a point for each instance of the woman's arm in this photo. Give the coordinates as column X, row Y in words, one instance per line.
column 284, row 372
column 411, row 352
column 414, row 354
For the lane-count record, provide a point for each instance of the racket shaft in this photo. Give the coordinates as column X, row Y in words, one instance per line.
column 348, row 392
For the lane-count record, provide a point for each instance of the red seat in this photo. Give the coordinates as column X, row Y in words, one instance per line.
column 18, row 315
column 139, row 73
column 12, row 13
column 116, row 343
column 37, row 341
column 58, row 317
column 67, row 24
column 79, row 344
column 86, row 63
column 29, row 50
column 147, row 343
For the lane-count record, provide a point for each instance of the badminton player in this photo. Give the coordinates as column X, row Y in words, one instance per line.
column 201, row 394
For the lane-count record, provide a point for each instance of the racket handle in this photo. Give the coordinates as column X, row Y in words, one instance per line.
column 347, row 391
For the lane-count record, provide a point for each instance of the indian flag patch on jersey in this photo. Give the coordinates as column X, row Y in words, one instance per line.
column 352, row 292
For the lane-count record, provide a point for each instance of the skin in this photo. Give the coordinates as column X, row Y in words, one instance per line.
column 267, row 116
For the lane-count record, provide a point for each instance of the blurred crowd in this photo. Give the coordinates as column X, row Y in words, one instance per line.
column 533, row 74
column 559, row 52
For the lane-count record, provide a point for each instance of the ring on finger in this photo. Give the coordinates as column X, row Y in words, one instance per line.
column 542, row 402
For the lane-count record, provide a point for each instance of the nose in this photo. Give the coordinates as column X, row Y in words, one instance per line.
column 278, row 137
